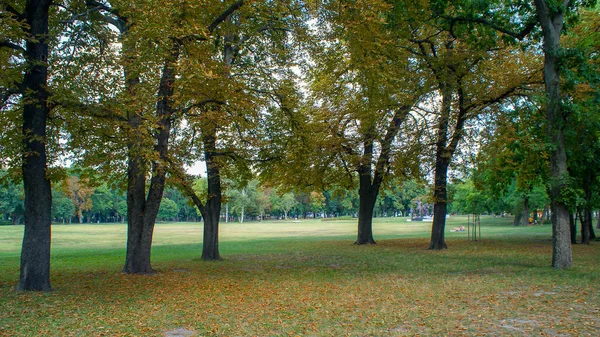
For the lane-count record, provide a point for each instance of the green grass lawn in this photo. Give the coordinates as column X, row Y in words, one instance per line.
column 306, row 278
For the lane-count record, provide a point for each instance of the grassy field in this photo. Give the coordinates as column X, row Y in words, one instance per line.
column 306, row 278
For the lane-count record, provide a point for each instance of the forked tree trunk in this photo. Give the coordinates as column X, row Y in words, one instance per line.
column 35, row 251
column 139, row 233
column 142, row 210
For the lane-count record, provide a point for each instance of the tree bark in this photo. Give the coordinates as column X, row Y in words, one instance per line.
column 367, row 198
column 551, row 20
column 35, row 251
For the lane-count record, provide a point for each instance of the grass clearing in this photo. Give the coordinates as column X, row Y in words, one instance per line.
column 306, row 278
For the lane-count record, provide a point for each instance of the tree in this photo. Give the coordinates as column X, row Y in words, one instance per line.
column 168, row 209
column 550, row 15
column 62, row 206
column 581, row 79
column 27, row 46
column 80, row 192
column 512, row 162
column 11, row 199
column 243, row 198
column 284, row 203
column 246, row 45
column 362, row 94
column 317, row 202
column 152, row 39
column 473, row 69
column 551, row 18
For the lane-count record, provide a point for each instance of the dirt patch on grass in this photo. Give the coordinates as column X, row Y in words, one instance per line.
column 179, row 332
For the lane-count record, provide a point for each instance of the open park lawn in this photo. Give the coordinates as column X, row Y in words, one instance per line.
column 306, row 278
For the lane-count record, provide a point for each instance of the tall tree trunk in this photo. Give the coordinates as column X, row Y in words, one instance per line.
column 586, row 217
column 573, row 227
column 517, row 219
column 212, row 210
column 440, row 195
column 525, row 219
column 367, row 196
column 442, row 162
column 142, row 210
column 551, row 19
column 35, row 251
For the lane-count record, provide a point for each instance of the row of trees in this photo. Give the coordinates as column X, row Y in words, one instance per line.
column 305, row 94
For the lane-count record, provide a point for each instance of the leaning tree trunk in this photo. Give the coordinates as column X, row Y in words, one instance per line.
column 35, row 252
column 551, row 19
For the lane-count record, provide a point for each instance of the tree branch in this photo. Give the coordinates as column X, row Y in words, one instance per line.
column 183, row 182
column 517, row 35
column 386, row 144
column 120, row 22
column 221, row 18
column 8, row 44
column 10, row 9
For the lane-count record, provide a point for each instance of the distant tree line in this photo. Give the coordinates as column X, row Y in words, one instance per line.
column 76, row 200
